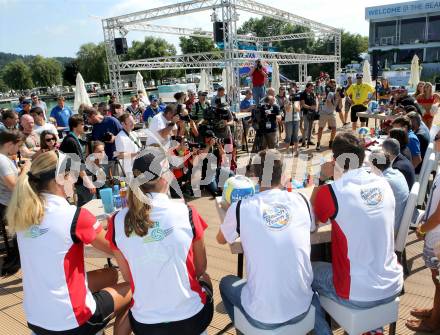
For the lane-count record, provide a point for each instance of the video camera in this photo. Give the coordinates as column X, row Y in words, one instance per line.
column 107, row 137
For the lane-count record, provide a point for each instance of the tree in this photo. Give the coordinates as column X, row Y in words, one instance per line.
column 352, row 45
column 70, row 71
column 3, row 86
column 46, row 71
column 92, row 62
column 153, row 47
column 192, row 44
column 17, row 75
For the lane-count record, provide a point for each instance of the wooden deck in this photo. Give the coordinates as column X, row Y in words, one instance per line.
column 418, row 285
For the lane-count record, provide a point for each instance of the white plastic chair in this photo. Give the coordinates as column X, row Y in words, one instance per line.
column 300, row 328
column 425, row 178
column 402, row 234
column 358, row 321
column 428, row 152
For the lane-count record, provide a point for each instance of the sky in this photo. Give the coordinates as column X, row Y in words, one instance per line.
column 59, row 27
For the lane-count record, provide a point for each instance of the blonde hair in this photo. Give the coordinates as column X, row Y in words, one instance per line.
column 26, row 207
column 430, row 86
column 417, row 88
column 137, row 220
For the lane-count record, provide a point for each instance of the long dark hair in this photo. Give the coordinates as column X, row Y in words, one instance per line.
column 43, row 144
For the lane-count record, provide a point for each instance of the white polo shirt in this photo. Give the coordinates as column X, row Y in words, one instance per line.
column 159, row 122
column 275, row 230
column 127, row 143
column 360, row 206
column 164, row 283
column 47, row 126
column 56, row 294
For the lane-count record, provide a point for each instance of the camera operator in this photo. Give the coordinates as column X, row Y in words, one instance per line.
column 163, row 125
column 267, row 117
column 72, row 143
column 223, row 150
column 105, row 129
column 221, row 119
column 309, row 109
column 259, row 77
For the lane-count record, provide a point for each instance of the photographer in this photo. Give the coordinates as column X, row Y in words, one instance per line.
column 181, row 162
column 162, row 126
column 267, row 117
column 127, row 143
column 105, row 129
column 220, row 98
column 224, row 159
column 219, row 119
column 259, row 77
column 72, row 143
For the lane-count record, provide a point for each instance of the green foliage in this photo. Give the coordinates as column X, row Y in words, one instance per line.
column 3, row 86
column 190, row 45
column 152, row 47
column 352, row 46
column 17, row 75
column 92, row 62
column 70, row 71
column 46, row 72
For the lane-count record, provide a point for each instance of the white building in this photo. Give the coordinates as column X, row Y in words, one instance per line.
column 398, row 31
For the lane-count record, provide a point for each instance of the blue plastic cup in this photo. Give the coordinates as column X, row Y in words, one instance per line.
column 106, row 195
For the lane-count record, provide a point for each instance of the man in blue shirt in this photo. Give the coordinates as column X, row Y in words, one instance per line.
column 382, row 164
column 153, row 109
column 404, row 122
column 422, row 133
column 247, row 104
column 61, row 113
column 105, row 129
column 25, row 107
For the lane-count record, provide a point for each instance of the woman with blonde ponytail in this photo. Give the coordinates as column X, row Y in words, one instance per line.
column 158, row 244
column 59, row 296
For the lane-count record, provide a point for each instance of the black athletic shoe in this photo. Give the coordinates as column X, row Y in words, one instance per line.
column 330, row 144
column 318, row 147
column 310, row 143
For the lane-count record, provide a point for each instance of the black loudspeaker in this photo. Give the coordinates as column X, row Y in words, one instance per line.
column 219, row 31
column 121, row 45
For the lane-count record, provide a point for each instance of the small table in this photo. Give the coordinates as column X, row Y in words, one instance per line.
column 320, row 236
column 376, row 116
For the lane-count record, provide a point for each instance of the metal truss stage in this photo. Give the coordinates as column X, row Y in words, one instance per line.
column 231, row 57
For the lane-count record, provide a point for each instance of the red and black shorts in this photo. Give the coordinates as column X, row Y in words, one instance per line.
column 105, row 307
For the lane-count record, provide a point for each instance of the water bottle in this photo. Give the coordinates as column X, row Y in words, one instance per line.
column 116, row 197
column 123, row 194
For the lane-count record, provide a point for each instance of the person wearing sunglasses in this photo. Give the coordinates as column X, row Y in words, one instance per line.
column 60, row 297
column 48, row 142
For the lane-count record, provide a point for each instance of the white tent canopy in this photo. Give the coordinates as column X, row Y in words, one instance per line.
column 81, row 95
column 414, row 77
column 367, row 73
column 276, row 77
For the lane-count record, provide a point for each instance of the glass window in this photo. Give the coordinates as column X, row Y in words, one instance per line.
column 432, row 55
column 406, row 55
column 434, row 28
column 412, row 31
column 385, row 33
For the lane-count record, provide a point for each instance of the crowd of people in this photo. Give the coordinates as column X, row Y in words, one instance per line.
column 52, row 163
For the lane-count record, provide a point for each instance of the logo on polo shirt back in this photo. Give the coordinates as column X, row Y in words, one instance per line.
column 372, row 196
column 276, row 217
column 35, row 231
column 156, row 234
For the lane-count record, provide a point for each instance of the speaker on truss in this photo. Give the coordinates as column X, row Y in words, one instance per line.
column 219, row 32
column 121, row 45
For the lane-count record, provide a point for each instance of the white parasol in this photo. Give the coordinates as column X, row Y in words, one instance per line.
column 81, row 95
column 276, row 77
column 367, row 73
column 140, row 87
column 414, row 78
column 204, row 82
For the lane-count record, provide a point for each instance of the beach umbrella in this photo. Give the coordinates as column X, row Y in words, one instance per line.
column 367, row 73
column 414, row 78
column 204, row 82
column 140, row 87
column 81, row 95
column 276, row 77
column 224, row 79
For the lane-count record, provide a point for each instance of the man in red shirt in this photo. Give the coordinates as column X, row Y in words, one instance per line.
column 259, row 76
